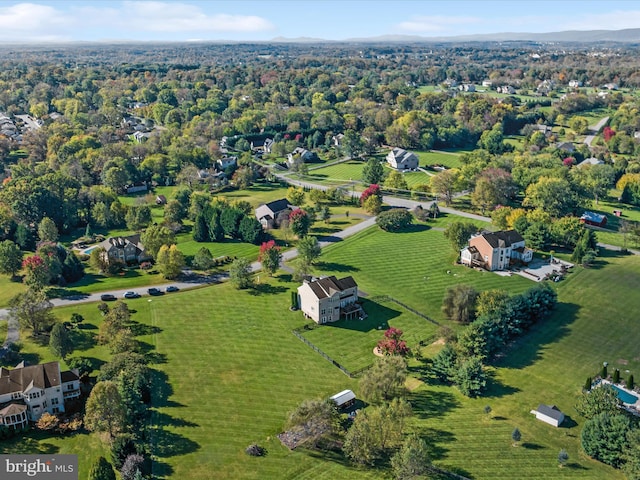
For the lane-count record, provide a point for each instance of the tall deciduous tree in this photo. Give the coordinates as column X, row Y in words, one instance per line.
column 385, row 380
column 459, row 303
column 412, row 460
column 154, row 237
column 240, row 273
column 47, row 230
column 270, row 257
column 299, row 222
column 458, row 234
column 445, row 184
column 604, row 437
column 308, row 249
column 376, row 431
column 32, row 309
column 105, row 411
column 554, row 195
column 10, row 258
column 37, row 273
column 295, row 195
column 603, row 399
column 170, row 261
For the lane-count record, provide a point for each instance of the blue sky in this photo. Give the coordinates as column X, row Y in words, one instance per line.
column 167, row 20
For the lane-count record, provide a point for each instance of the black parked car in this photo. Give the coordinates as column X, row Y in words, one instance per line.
column 171, row 288
column 131, row 295
column 154, row 291
column 107, row 297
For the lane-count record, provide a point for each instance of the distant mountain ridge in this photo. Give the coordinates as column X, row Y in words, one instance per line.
column 628, row 35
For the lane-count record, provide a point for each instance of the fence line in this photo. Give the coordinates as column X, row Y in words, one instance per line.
column 406, row 307
column 335, row 363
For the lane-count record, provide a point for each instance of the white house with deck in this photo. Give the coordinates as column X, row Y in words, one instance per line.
column 328, row 299
column 28, row 391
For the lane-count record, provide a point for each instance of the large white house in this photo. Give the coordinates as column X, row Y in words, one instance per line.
column 328, row 299
column 401, row 159
column 26, row 392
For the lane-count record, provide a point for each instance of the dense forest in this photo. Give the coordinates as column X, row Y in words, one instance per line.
column 86, row 102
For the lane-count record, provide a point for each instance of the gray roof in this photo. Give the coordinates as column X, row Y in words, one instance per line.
column 502, row 239
column 551, row 411
column 327, row 286
column 343, row 397
column 401, row 155
column 45, row 375
column 122, row 242
column 273, row 208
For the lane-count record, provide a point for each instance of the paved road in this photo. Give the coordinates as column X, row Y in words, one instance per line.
column 595, row 129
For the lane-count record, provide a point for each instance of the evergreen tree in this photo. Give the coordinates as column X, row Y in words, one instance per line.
column 60, row 342
column 102, row 470
column 203, row 260
column 372, row 172
column 200, row 229
column 216, row 232
column 250, row 230
column 516, row 436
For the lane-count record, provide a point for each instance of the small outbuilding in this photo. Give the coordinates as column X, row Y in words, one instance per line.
column 344, row 399
column 549, row 414
column 595, row 219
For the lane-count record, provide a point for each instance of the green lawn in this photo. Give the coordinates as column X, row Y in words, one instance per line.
column 231, row 368
column 410, row 266
column 9, row 289
column 340, row 173
column 438, row 157
column 351, row 342
column 96, row 282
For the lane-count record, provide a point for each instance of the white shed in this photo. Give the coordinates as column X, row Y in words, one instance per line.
column 549, row 414
column 344, row 399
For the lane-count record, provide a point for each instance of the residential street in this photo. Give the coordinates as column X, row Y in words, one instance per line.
column 594, row 130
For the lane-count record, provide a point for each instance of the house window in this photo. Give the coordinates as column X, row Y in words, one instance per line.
column 70, row 386
column 54, row 401
column 56, row 410
column 324, row 310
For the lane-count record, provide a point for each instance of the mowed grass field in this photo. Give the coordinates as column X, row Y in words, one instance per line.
column 232, row 369
column 437, row 157
column 351, row 342
column 415, row 267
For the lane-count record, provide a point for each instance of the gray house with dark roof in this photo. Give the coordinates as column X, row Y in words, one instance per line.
column 28, row 391
column 328, row 299
column 271, row 214
column 124, row 249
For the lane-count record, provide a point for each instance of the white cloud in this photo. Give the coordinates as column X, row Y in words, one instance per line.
column 169, row 17
column 33, row 22
column 122, row 20
column 435, row 23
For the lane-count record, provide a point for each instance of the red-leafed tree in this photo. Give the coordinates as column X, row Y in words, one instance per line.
column 270, row 257
column 392, row 343
column 569, row 162
column 373, row 189
column 608, row 133
column 299, row 222
column 37, row 273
